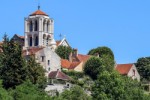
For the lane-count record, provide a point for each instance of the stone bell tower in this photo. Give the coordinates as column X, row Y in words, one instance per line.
column 39, row 30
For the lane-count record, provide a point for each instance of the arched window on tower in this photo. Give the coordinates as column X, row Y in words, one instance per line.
column 36, row 26
column 36, row 41
column 48, row 26
column 30, row 41
column 44, row 25
column 31, row 26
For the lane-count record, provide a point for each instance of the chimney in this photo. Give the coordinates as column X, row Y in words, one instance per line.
column 70, row 57
column 96, row 54
column 75, row 52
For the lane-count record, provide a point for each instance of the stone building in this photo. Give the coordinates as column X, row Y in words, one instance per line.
column 128, row 70
column 39, row 40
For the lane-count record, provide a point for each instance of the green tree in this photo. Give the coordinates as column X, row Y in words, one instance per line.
column 75, row 93
column 4, row 95
column 63, row 51
column 143, row 67
column 106, row 55
column 113, row 86
column 28, row 91
column 13, row 70
column 93, row 67
column 35, row 72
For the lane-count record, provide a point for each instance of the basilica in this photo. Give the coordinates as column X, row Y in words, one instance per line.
column 38, row 40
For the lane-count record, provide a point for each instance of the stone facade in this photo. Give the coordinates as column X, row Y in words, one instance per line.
column 39, row 40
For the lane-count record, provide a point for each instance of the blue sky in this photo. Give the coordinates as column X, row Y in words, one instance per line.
column 122, row 25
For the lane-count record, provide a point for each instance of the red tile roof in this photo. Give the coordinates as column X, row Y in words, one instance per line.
column 123, row 68
column 58, row 75
column 38, row 12
column 65, row 63
column 31, row 50
column 74, row 65
column 58, row 42
column 83, row 58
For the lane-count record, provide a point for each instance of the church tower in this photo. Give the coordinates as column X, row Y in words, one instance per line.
column 39, row 30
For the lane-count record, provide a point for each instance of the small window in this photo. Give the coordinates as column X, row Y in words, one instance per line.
column 133, row 72
column 49, row 69
column 48, row 62
column 42, row 58
column 30, row 41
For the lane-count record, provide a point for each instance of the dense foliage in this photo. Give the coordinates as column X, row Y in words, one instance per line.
column 106, row 55
column 143, row 67
column 63, row 52
column 13, row 69
column 112, row 86
column 93, row 67
column 35, row 72
column 4, row 95
column 75, row 93
column 28, row 91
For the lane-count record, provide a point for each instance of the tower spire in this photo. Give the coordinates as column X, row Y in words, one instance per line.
column 38, row 6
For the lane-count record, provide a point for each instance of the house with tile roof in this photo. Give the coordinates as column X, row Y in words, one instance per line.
column 76, row 61
column 129, row 70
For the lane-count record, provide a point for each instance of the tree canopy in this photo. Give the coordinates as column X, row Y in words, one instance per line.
column 112, row 86
column 13, row 69
column 63, row 51
column 106, row 55
column 4, row 95
column 93, row 67
column 35, row 72
column 75, row 93
column 143, row 67
column 28, row 91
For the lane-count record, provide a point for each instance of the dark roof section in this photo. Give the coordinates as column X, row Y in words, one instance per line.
column 58, row 75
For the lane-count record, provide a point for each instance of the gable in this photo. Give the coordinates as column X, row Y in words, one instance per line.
column 123, row 68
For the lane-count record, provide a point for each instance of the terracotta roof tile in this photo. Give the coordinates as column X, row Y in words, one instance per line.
column 58, row 42
column 38, row 12
column 74, row 65
column 123, row 68
column 65, row 63
column 58, row 75
column 83, row 58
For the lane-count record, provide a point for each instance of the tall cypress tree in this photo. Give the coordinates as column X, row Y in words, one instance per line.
column 13, row 70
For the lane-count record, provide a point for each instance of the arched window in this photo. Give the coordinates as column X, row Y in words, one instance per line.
column 36, row 41
column 30, row 41
column 36, row 26
column 48, row 26
column 31, row 26
column 44, row 24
